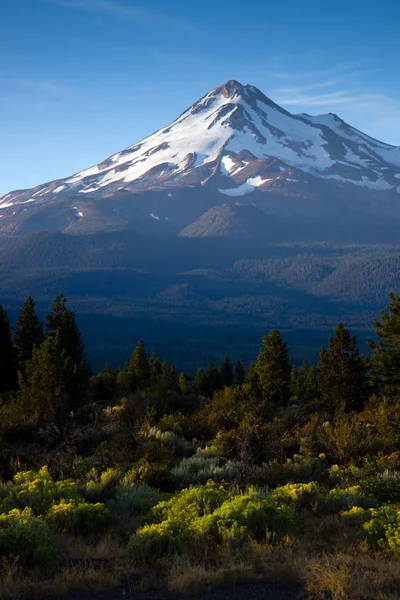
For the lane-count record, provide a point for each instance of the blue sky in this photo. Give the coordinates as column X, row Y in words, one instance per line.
column 82, row 79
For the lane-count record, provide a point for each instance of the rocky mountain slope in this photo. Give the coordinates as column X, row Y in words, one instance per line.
column 233, row 143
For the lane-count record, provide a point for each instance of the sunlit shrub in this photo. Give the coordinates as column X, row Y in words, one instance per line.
column 81, row 518
column 199, row 469
column 191, row 503
column 30, row 539
column 383, row 529
column 38, row 491
column 154, row 541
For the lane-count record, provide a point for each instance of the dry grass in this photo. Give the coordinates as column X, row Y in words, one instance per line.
column 14, row 585
column 351, row 577
column 108, row 547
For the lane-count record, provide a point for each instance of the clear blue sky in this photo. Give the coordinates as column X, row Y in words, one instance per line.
column 81, row 79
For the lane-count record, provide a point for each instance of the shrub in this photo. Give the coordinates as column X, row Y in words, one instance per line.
column 340, row 499
column 30, row 539
column 385, row 487
column 38, row 491
column 199, row 469
column 191, row 503
column 154, row 475
column 300, row 494
column 134, row 500
column 154, row 541
column 176, row 443
column 81, row 518
column 383, row 529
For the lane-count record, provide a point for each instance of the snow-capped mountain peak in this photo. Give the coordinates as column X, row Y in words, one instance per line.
column 234, row 141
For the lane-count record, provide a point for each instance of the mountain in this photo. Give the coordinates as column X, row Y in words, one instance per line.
column 232, row 143
column 239, row 221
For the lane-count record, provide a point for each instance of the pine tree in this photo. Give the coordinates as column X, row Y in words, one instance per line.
column 155, row 370
column 183, row 384
column 342, row 381
column 200, row 382
column 385, row 358
column 138, row 365
column 273, row 369
column 8, row 367
column 226, row 372
column 240, row 373
column 307, row 383
column 28, row 333
column 44, row 393
column 168, row 372
column 61, row 322
column 61, row 326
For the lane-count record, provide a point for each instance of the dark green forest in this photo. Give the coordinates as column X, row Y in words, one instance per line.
column 236, row 471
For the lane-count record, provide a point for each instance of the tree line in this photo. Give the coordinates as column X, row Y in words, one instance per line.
column 45, row 372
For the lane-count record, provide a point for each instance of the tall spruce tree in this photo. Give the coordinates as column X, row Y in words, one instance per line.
column 8, row 365
column 341, row 375
column 61, row 322
column 61, row 325
column 273, row 369
column 199, row 382
column 226, row 372
column 47, row 386
column 385, row 358
column 138, row 365
column 28, row 333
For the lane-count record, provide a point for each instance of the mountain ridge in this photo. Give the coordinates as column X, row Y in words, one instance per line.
column 233, row 142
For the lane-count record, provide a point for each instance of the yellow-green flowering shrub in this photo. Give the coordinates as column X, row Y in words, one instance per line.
column 339, row 499
column 301, row 494
column 154, row 541
column 37, row 490
column 30, row 539
column 81, row 518
column 208, row 517
column 191, row 503
column 383, row 528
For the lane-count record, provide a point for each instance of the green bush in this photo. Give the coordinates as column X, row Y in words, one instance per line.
column 300, row 494
column 30, row 539
column 340, row 499
column 191, row 503
column 155, row 541
column 199, row 469
column 145, row 472
column 383, row 529
column 37, row 490
column 81, row 518
column 131, row 500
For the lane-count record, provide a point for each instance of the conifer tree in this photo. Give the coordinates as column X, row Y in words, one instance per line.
column 138, row 365
column 385, row 358
column 183, row 384
column 240, row 373
column 273, row 369
column 45, row 387
column 226, row 372
column 168, row 372
column 61, row 322
column 200, row 382
column 61, row 325
column 307, row 383
column 155, row 370
column 342, row 381
column 8, row 367
column 28, row 333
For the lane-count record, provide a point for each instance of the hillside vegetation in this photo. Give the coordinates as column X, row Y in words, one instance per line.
column 235, row 473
